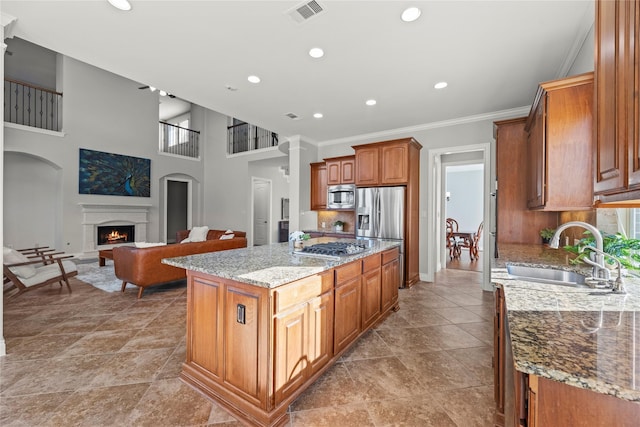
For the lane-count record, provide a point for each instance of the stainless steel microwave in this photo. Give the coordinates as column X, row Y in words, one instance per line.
column 341, row 196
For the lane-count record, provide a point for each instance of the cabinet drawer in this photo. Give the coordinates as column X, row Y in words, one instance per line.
column 390, row 255
column 301, row 291
column 348, row 272
column 370, row 263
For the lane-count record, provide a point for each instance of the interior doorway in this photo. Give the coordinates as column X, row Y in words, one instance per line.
column 464, row 204
column 261, row 207
column 437, row 252
column 177, row 203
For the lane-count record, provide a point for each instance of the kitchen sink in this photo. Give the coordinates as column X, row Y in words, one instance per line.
column 547, row 275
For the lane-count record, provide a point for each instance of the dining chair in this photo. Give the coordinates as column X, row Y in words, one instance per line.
column 452, row 242
column 473, row 243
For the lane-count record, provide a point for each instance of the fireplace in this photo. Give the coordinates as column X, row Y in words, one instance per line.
column 111, row 216
column 115, row 234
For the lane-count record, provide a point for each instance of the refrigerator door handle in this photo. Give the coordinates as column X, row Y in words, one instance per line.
column 376, row 206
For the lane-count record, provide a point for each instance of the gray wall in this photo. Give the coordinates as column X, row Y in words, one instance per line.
column 466, row 204
column 102, row 112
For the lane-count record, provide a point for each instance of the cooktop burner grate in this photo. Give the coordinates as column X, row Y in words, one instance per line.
column 335, row 248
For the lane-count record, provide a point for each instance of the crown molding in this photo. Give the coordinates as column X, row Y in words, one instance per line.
column 496, row 115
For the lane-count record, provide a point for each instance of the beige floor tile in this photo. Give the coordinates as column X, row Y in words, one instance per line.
column 170, row 403
column 102, row 359
column 98, row 406
column 348, row 415
column 419, row 410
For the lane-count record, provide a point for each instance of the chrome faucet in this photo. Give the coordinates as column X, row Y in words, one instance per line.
column 600, row 271
column 616, row 285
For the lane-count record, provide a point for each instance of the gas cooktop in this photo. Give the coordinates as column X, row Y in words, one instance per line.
column 333, row 249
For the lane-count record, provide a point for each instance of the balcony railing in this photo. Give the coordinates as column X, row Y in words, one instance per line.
column 244, row 137
column 30, row 105
column 179, row 141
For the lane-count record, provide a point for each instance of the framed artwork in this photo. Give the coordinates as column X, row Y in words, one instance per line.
column 114, row 174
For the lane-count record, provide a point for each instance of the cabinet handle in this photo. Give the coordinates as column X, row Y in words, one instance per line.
column 241, row 314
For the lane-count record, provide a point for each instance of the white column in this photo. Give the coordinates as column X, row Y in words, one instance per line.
column 6, row 29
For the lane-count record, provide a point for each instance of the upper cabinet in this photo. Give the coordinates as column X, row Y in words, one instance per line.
column 318, row 186
column 617, row 105
column 341, row 170
column 559, row 145
column 385, row 163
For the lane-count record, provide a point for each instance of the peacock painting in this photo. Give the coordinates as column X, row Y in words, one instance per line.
column 114, row 174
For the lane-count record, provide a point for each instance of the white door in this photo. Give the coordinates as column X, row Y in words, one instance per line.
column 261, row 209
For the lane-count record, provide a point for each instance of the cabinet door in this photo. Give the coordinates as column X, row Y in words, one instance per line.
column 367, row 165
column 290, row 352
column 390, row 284
column 395, row 164
column 334, row 172
column 536, row 144
column 610, row 145
column 348, row 318
column 348, row 172
column 205, row 326
column 244, row 341
column 320, row 331
column 498, row 356
column 318, row 186
column 370, row 297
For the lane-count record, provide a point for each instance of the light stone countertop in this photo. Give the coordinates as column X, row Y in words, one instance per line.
column 579, row 336
column 270, row 266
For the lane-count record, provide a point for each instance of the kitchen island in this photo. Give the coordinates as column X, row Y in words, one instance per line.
column 575, row 354
column 263, row 323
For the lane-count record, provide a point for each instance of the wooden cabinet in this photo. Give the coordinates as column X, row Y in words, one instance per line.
column 384, row 163
column 254, row 350
column 515, row 222
column 367, row 165
column 390, row 276
column 303, row 332
column 341, row 170
column 559, row 145
column 348, row 305
column 617, row 101
column 318, row 186
column 391, row 163
column 498, row 357
column 551, row 403
column 371, row 290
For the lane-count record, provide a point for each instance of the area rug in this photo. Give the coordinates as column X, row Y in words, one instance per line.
column 103, row 278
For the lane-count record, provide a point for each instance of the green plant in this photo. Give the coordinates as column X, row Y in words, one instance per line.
column 547, row 233
column 625, row 249
column 338, row 223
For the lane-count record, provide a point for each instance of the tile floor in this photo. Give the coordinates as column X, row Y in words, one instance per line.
column 93, row 358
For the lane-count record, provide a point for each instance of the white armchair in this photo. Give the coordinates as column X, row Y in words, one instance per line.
column 26, row 274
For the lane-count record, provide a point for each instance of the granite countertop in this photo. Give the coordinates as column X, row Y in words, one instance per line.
column 270, row 266
column 579, row 336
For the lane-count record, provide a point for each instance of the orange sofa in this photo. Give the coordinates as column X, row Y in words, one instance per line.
column 143, row 267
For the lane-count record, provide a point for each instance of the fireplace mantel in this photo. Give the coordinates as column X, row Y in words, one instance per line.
column 94, row 214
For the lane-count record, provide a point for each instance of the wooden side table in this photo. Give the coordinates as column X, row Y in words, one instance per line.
column 103, row 255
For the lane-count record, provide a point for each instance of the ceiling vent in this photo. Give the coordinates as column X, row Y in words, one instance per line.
column 305, row 11
column 292, row 116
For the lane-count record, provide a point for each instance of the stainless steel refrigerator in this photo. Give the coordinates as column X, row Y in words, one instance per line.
column 380, row 215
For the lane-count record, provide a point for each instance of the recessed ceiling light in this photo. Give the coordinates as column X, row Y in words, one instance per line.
column 163, row 93
column 440, row 85
column 371, row 102
column 316, row 52
column 411, row 14
column 120, row 4
column 254, row 79
column 318, row 115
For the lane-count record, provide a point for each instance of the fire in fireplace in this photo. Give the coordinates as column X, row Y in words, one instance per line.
column 116, row 234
